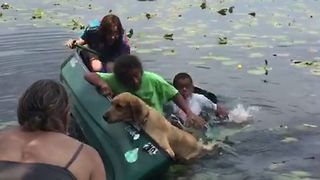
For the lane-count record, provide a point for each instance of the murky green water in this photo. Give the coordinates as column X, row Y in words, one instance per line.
column 281, row 143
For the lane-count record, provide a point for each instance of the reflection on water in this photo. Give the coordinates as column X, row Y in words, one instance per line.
column 275, row 145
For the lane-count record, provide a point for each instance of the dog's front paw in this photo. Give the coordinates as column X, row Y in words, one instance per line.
column 171, row 153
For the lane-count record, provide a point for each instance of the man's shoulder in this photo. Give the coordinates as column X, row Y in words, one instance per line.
column 152, row 75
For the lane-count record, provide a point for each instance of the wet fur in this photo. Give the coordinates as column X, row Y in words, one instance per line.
column 179, row 144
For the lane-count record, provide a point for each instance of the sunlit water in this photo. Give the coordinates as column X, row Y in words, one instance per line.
column 281, row 140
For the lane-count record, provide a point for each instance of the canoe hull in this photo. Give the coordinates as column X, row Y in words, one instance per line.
column 112, row 141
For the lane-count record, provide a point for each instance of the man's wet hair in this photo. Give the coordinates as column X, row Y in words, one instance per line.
column 124, row 64
column 180, row 76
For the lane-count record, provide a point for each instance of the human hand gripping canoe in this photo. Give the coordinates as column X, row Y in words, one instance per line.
column 105, row 91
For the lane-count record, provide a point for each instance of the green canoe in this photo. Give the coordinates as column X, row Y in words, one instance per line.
column 112, row 141
column 116, row 143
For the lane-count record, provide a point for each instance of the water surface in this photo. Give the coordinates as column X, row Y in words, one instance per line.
column 281, row 143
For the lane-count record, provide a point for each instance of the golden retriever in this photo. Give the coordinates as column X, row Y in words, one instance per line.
column 179, row 144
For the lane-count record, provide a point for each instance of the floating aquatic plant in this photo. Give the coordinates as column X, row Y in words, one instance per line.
column 203, row 5
column 130, row 33
column 5, row 6
column 231, row 9
column 289, row 140
column 223, row 11
column 37, row 14
column 264, row 70
column 76, row 24
column 148, row 16
column 223, row 40
column 253, row 14
column 314, row 65
column 168, row 36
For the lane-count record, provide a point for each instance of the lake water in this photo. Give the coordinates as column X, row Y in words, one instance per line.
column 282, row 140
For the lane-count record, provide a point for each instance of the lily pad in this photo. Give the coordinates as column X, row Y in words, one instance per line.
column 305, row 63
column 301, row 174
column 37, row 14
column 255, row 55
column 218, row 58
column 259, row 70
column 310, row 125
column 171, row 52
column 144, row 51
column 289, row 140
column 315, row 72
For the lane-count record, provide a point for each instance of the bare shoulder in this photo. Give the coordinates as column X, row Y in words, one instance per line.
column 90, row 152
column 10, row 133
column 98, row 170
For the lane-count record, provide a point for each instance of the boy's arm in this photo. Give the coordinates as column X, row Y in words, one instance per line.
column 99, row 83
column 193, row 119
column 219, row 109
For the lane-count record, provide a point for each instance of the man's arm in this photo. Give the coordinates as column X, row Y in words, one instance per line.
column 102, row 86
column 191, row 117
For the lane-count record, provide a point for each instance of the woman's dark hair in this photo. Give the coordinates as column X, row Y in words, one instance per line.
column 107, row 23
column 125, row 63
column 180, row 76
column 43, row 106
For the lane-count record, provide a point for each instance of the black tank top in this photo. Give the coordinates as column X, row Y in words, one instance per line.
column 10, row 170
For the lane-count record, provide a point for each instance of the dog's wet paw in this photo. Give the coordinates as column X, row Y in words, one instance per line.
column 171, row 153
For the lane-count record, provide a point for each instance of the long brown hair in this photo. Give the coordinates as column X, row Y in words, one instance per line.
column 108, row 22
column 44, row 106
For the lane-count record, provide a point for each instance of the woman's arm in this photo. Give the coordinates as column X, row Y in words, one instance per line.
column 71, row 43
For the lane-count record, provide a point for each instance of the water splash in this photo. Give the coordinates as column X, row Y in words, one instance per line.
column 241, row 115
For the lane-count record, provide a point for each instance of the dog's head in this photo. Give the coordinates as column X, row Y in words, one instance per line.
column 126, row 107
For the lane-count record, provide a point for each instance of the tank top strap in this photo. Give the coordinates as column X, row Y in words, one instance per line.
column 74, row 157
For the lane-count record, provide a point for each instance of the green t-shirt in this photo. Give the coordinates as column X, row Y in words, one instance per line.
column 154, row 90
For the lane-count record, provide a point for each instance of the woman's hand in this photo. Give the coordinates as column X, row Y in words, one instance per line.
column 71, row 43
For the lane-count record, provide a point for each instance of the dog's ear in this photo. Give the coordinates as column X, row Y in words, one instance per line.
column 136, row 109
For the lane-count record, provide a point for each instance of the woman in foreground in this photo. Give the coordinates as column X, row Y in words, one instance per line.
column 39, row 148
